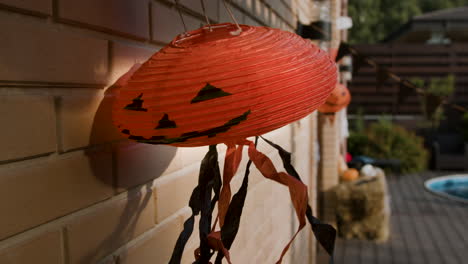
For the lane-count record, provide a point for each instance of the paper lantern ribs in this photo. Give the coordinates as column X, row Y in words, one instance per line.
column 214, row 85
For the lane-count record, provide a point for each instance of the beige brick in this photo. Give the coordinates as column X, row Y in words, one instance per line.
column 43, row 249
column 129, row 17
column 34, row 51
column 52, row 187
column 125, row 56
column 281, row 137
column 302, row 158
column 22, row 136
column 193, row 155
column 172, row 192
column 96, row 234
column 164, row 31
column 41, row 6
column 138, row 163
column 86, row 119
column 276, row 5
column 224, row 15
column 211, row 7
column 110, row 260
column 157, row 247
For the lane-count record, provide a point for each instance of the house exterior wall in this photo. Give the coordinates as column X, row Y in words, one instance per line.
column 72, row 190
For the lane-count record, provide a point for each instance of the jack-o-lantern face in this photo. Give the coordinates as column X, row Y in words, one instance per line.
column 338, row 99
column 212, row 87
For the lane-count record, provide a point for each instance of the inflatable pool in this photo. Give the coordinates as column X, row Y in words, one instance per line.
column 454, row 187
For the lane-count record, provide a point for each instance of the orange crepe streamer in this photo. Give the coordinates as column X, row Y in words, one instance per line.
column 210, row 87
column 214, row 238
column 333, row 53
column 231, row 164
column 297, row 189
column 338, row 99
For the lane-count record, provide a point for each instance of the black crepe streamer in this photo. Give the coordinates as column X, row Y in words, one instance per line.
column 184, row 236
column 234, row 213
column 318, row 30
column 343, row 50
column 209, row 170
column 216, row 186
column 325, row 233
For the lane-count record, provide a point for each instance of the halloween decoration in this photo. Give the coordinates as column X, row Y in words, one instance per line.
column 350, row 175
column 318, row 30
column 222, row 84
column 214, row 87
column 338, row 99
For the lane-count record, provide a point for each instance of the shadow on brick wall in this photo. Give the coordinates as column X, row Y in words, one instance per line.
column 132, row 222
column 133, row 163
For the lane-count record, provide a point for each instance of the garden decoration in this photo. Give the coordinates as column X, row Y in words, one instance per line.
column 350, row 174
column 224, row 83
column 338, row 99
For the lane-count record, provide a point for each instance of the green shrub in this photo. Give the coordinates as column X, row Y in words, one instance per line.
column 384, row 140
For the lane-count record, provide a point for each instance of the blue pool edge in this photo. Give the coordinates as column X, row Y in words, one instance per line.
column 442, row 194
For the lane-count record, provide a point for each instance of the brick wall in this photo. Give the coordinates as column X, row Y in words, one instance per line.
column 71, row 189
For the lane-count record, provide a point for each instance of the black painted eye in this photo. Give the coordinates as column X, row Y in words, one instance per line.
column 208, row 92
column 165, row 122
column 137, row 104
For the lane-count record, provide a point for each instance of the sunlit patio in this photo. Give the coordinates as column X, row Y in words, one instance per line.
column 425, row 228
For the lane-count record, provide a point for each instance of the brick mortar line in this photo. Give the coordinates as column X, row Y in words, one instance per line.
column 10, row 161
column 180, row 173
column 185, row 10
column 58, row 124
column 23, row 11
column 55, row 9
column 52, row 156
column 100, row 29
column 278, row 15
column 62, row 221
column 199, row 16
column 74, row 27
column 145, row 236
column 65, row 247
column 150, row 20
column 251, row 15
column 42, row 84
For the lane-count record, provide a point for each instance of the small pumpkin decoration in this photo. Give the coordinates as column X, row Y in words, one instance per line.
column 337, row 100
column 350, row 175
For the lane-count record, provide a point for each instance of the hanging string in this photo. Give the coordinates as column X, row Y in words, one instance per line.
column 206, row 16
column 239, row 29
column 180, row 14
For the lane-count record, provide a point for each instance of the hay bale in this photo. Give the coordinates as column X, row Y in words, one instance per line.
column 362, row 208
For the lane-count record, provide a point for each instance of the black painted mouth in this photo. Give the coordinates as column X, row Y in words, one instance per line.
column 212, row 132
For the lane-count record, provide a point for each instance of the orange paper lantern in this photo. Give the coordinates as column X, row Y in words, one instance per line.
column 338, row 99
column 209, row 87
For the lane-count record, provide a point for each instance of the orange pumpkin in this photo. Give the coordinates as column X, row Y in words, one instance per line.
column 338, row 99
column 209, row 87
column 350, row 175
